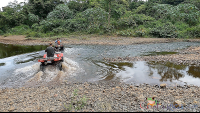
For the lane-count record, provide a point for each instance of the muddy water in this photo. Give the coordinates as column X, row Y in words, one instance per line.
column 85, row 63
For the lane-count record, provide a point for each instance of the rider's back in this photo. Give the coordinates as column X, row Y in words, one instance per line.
column 50, row 51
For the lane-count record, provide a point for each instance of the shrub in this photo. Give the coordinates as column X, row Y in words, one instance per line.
column 60, row 30
column 1, row 32
column 141, row 31
column 181, row 26
column 19, row 30
column 76, row 24
column 188, row 13
column 193, row 32
column 132, row 20
column 164, row 30
column 127, row 32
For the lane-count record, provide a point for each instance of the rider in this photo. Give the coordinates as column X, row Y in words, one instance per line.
column 50, row 50
column 58, row 41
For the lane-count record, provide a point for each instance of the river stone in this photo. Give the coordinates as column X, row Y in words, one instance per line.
column 12, row 108
column 163, row 85
column 178, row 103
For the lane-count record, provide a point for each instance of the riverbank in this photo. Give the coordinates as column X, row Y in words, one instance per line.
column 100, row 97
column 189, row 56
column 108, row 95
column 100, row 40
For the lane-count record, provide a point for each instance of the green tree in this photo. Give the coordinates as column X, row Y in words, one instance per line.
column 12, row 15
column 172, row 2
column 95, row 19
column 42, row 7
column 61, row 11
column 77, row 7
column 194, row 2
column 187, row 13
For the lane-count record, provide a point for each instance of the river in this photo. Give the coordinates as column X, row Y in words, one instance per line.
column 84, row 63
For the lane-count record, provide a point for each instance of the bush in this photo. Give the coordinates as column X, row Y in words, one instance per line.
column 132, row 20
column 34, row 34
column 141, row 31
column 127, row 32
column 60, row 30
column 152, row 24
column 187, row 13
column 164, row 30
column 19, row 30
column 193, row 32
column 181, row 26
column 1, row 32
column 76, row 24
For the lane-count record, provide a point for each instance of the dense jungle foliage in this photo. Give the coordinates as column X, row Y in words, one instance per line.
column 153, row 18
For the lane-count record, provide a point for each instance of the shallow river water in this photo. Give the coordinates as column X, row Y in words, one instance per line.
column 85, row 63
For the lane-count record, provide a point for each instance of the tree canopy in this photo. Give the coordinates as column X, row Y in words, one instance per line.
column 153, row 18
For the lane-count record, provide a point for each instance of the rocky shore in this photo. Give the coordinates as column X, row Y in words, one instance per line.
column 107, row 96
column 100, row 40
column 100, row 97
column 189, row 56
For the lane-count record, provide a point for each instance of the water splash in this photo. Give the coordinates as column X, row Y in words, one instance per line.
column 32, row 76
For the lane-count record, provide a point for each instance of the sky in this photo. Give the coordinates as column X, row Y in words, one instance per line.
column 4, row 3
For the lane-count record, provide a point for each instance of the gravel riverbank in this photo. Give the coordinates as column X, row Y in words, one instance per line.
column 189, row 56
column 99, row 97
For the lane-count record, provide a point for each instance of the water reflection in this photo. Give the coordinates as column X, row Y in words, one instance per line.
column 194, row 71
column 158, row 53
column 2, row 64
column 7, row 50
column 168, row 70
column 155, row 73
column 109, row 69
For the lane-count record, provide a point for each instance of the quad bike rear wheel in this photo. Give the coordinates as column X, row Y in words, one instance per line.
column 59, row 66
column 42, row 67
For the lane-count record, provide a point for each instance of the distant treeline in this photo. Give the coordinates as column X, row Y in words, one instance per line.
column 153, row 18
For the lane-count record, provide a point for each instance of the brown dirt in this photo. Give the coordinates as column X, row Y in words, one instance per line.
column 102, row 40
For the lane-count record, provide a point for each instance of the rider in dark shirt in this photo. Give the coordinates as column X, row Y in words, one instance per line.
column 50, row 50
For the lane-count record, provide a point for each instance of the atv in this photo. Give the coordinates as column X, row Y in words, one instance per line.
column 56, row 60
column 59, row 47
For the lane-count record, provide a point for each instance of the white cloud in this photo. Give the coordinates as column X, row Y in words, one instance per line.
column 4, row 3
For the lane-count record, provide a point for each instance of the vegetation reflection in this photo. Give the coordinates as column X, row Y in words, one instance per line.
column 167, row 70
